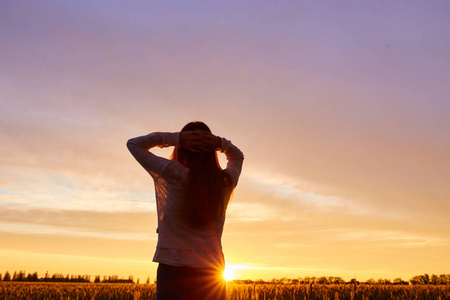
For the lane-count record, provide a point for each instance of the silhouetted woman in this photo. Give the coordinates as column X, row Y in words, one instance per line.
column 192, row 194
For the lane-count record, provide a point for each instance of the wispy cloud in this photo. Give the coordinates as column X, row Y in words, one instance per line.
column 77, row 221
column 307, row 194
column 29, row 228
column 251, row 212
column 56, row 190
column 388, row 238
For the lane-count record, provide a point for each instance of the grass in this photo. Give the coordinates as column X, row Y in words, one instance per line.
column 92, row 291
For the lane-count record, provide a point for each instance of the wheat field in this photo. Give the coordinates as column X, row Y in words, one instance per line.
column 112, row 291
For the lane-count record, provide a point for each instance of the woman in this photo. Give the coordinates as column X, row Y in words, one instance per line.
column 192, row 194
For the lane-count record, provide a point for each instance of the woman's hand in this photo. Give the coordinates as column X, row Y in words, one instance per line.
column 199, row 141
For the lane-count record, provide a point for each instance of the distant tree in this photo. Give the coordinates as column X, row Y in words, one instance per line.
column 384, row 281
column 307, row 279
column 7, row 276
column 0, row 276
column 284, row 280
column 415, row 280
column 322, row 280
column 34, row 277
column 115, row 279
column 148, row 280
column 420, row 279
column 20, row 276
column 434, row 279
column 370, row 281
column 444, row 279
column 338, row 280
column 398, row 281
column 97, row 279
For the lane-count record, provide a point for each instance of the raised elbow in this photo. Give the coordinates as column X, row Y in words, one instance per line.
column 131, row 144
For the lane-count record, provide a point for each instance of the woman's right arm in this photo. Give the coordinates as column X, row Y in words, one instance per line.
column 140, row 146
column 235, row 159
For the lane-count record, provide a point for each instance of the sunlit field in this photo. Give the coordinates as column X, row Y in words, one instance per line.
column 91, row 291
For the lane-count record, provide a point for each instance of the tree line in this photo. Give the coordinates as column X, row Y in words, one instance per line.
column 22, row 276
column 425, row 279
column 443, row 279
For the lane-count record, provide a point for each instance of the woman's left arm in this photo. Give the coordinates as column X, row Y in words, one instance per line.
column 140, row 146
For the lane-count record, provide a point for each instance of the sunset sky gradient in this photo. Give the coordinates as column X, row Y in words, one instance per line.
column 342, row 110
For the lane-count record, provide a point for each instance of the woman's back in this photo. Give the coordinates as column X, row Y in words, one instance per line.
column 175, row 233
column 192, row 194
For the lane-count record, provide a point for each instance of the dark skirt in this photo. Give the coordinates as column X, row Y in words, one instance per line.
column 186, row 283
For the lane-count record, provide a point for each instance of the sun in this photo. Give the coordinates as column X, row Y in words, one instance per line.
column 228, row 273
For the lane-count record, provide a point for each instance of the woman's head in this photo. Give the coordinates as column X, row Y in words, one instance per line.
column 209, row 186
column 197, row 159
column 196, row 125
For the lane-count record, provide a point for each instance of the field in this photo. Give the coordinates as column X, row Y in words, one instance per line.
column 111, row 291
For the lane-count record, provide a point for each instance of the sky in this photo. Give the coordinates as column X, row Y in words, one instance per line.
column 341, row 109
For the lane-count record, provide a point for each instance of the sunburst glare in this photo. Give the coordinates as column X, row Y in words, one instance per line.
column 228, row 273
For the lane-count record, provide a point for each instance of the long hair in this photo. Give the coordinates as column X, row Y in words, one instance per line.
column 210, row 187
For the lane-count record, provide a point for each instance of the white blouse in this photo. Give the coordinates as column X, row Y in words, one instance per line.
column 179, row 243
